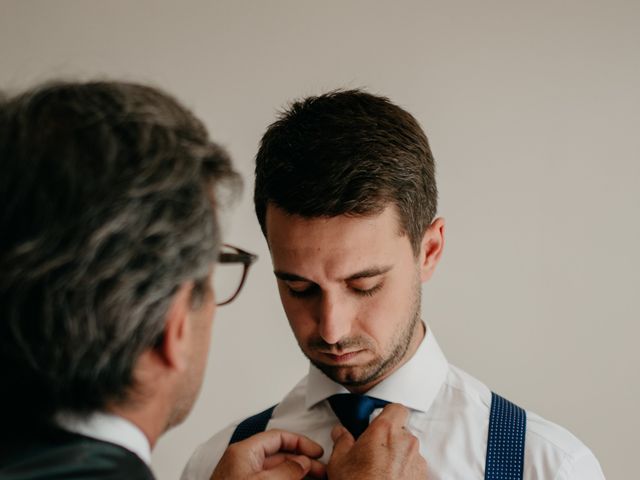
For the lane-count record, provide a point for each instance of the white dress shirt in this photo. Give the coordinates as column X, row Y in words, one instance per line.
column 449, row 413
column 108, row 428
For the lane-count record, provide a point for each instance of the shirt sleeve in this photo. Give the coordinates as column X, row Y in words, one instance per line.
column 206, row 457
column 582, row 467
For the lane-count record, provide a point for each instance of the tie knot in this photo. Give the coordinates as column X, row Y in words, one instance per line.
column 354, row 410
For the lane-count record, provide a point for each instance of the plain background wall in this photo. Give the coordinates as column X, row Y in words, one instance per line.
column 533, row 113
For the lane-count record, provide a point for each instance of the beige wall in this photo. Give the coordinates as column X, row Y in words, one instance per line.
column 533, row 111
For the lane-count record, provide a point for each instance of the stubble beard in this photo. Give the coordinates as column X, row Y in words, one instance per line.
column 184, row 403
column 371, row 372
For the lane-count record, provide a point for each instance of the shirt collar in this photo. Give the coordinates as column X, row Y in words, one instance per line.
column 414, row 385
column 108, row 428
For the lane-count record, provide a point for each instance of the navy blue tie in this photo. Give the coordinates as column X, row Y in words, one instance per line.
column 354, row 410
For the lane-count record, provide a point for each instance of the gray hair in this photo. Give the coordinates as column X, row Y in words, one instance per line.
column 109, row 197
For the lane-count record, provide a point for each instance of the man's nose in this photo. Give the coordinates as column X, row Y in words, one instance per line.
column 334, row 319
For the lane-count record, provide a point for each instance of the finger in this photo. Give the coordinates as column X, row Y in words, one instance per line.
column 337, row 431
column 317, row 469
column 342, row 442
column 308, row 447
column 292, row 468
column 393, row 413
column 276, row 459
column 267, row 443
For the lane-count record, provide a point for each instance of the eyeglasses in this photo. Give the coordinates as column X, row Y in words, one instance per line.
column 230, row 273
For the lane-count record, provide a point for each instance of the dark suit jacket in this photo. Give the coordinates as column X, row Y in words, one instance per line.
column 57, row 454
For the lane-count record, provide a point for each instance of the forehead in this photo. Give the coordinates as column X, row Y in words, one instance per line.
column 336, row 245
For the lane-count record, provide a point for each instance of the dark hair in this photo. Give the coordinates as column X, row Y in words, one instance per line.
column 347, row 153
column 108, row 199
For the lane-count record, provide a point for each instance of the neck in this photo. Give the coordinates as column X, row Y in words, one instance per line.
column 151, row 403
column 150, row 416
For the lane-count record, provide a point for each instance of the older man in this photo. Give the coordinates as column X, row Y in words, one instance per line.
column 109, row 242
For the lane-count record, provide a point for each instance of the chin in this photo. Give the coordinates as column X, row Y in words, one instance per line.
column 351, row 376
column 181, row 409
column 177, row 417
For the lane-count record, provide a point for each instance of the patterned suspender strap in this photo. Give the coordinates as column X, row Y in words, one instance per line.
column 505, row 448
column 252, row 425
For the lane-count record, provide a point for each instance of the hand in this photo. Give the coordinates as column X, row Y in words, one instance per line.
column 271, row 455
column 385, row 450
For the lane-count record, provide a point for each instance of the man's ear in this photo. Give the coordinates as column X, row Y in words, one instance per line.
column 174, row 346
column 431, row 248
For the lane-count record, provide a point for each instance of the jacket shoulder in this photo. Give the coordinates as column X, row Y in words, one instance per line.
column 58, row 454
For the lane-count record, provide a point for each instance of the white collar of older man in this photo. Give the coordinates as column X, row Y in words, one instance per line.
column 107, row 427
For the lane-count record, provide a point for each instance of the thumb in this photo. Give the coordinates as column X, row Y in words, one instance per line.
column 292, row 468
column 342, row 442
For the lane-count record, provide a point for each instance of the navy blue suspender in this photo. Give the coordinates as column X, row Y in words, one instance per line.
column 252, row 425
column 505, row 445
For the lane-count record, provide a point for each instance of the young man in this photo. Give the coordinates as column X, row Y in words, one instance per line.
column 108, row 245
column 346, row 197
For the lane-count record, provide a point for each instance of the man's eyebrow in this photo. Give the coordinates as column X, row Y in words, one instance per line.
column 290, row 277
column 367, row 273
column 370, row 272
